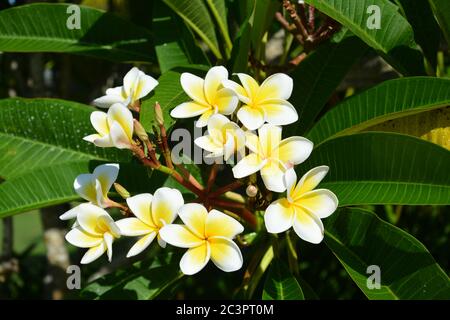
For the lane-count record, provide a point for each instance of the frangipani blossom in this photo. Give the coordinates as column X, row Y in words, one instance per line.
column 207, row 236
column 151, row 214
column 94, row 187
column 272, row 156
column 224, row 137
column 136, row 85
column 266, row 102
column 208, row 95
column 115, row 128
column 95, row 230
column 303, row 207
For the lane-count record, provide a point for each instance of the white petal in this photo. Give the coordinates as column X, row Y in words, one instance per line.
column 141, row 244
column 70, row 214
column 219, row 224
column 250, row 85
column 165, row 205
column 311, row 180
column 272, row 175
column 108, row 100
column 195, row 259
column 130, row 81
column 119, row 138
column 216, row 124
column 108, row 239
column 279, row 112
column 269, row 138
column 161, row 242
column 133, row 227
column 230, row 147
column 277, row 86
column 203, row 120
column 120, row 114
column 307, row 226
column 145, row 86
column 248, row 165
column 93, row 253
column 99, row 141
column 99, row 121
column 226, row 101
column 321, row 202
column 193, row 86
column 88, row 217
column 106, row 174
column 250, row 117
column 225, row 254
column 194, row 217
column 279, row 216
column 207, row 143
column 213, row 82
column 140, row 205
column 294, row 150
column 87, row 187
column 290, row 179
column 79, row 238
column 189, row 110
column 238, row 90
column 179, row 236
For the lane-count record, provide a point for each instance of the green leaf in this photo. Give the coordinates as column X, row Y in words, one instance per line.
column 441, row 9
column 169, row 94
column 384, row 168
column 219, row 11
column 196, row 15
column 317, row 77
column 390, row 100
column 262, row 18
column 43, row 132
column 394, row 39
column 42, row 27
column 360, row 239
column 142, row 281
column 281, row 284
column 426, row 30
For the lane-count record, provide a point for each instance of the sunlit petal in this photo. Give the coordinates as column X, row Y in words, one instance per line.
column 277, row 86
column 70, row 214
column 269, row 138
column 109, row 99
column 310, row 180
column 99, row 121
column 294, row 150
column 204, row 118
column 141, row 244
column 179, row 236
column 225, row 254
column 106, row 174
column 94, row 253
column 194, row 217
column 145, row 85
column 130, row 81
column 279, row 112
column 279, row 216
column 87, row 187
column 108, row 239
column 238, row 90
column 272, row 175
column 193, row 86
column 226, row 101
column 252, row 142
column 165, row 205
column 209, row 144
column 251, row 118
column 88, row 216
column 307, row 226
column 119, row 137
column 222, row 225
column 250, row 85
column 195, row 259
column 213, row 82
column 133, row 227
column 79, row 238
column 216, row 126
column 140, row 205
column 321, row 202
column 189, row 110
column 122, row 115
column 248, row 165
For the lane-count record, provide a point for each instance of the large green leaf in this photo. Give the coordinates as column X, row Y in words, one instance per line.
column 317, row 77
column 142, row 281
column 390, row 100
column 219, row 11
column 394, row 39
column 281, row 284
column 42, row 28
column 382, row 168
column 195, row 14
column 441, row 9
column 426, row 30
column 360, row 239
column 42, row 132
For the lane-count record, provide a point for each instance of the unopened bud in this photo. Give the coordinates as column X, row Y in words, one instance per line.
column 159, row 114
column 140, row 131
column 121, row 191
column 251, row 191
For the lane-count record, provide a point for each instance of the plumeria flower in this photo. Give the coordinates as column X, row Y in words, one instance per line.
column 114, row 129
column 207, row 236
column 224, row 137
column 303, row 207
column 208, row 95
column 95, row 230
column 151, row 214
column 266, row 102
column 272, row 156
column 136, row 85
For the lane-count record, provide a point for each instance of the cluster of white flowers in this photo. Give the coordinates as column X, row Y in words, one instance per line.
column 206, row 235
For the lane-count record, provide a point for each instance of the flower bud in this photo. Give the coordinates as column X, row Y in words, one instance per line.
column 140, row 131
column 159, row 114
column 121, row 191
column 251, row 191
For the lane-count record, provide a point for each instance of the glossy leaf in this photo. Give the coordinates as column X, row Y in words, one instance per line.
column 394, row 38
column 390, row 100
column 384, row 168
column 281, row 284
column 441, row 9
column 42, row 27
column 363, row 242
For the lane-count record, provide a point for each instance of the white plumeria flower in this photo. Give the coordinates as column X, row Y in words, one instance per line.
column 136, row 85
column 272, row 156
column 115, row 128
column 95, row 230
column 303, row 207
column 224, row 137
column 266, row 102
column 207, row 236
column 208, row 95
column 151, row 214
